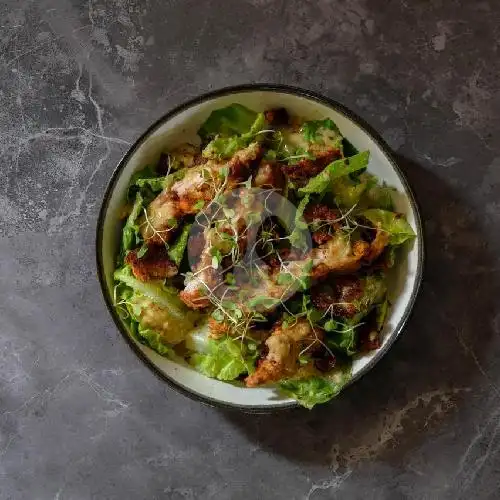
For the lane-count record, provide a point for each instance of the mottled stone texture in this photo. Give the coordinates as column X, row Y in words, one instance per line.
column 80, row 416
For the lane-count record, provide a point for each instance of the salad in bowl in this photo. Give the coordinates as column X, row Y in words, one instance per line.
column 259, row 254
column 259, row 248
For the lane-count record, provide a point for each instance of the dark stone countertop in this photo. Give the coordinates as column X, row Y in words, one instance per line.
column 80, row 416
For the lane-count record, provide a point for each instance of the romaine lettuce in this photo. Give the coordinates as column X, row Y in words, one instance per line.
column 225, row 359
column 225, row 122
column 348, row 192
column 393, row 223
column 374, row 289
column 341, row 336
column 130, row 235
column 300, row 237
column 317, row 389
column 159, row 293
column 154, row 340
column 225, row 147
column 178, row 247
column 378, row 196
column 339, row 168
column 319, row 130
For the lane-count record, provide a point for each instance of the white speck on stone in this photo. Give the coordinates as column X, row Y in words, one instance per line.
column 439, row 42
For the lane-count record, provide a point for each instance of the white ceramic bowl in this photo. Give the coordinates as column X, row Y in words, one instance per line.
column 180, row 125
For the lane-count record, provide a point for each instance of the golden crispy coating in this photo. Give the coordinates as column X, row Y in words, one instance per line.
column 269, row 176
column 338, row 295
column 284, row 347
column 218, row 329
column 338, row 255
column 155, row 265
column 200, row 183
column 307, row 168
column 377, row 246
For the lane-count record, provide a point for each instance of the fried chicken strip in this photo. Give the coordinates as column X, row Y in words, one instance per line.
column 377, row 246
column 204, row 279
column 201, row 183
column 284, row 347
column 338, row 255
column 156, row 264
column 228, row 234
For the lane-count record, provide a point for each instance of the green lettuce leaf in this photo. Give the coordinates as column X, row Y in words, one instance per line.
column 231, row 120
column 342, row 336
column 131, row 235
column 178, row 247
column 226, row 147
column 155, row 184
column 154, row 340
column 395, row 224
column 154, row 331
column 363, row 190
column 378, row 196
column 146, row 182
column 374, row 289
column 382, row 310
column 316, row 390
column 310, row 391
column 158, row 292
column 147, row 172
column 299, row 237
column 225, row 359
column 154, row 313
column 149, row 185
column 339, row 168
column 390, row 256
column 348, row 192
column 314, row 130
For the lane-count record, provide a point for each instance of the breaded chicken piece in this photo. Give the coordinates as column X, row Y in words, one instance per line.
column 184, row 156
column 284, row 347
column 200, row 183
column 338, row 255
column 308, row 168
column 161, row 219
column 204, row 279
column 339, row 295
column 326, row 218
column 218, row 329
column 377, row 246
column 156, row 264
column 160, row 320
column 269, row 176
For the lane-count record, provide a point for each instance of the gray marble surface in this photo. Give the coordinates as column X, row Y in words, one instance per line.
column 80, row 416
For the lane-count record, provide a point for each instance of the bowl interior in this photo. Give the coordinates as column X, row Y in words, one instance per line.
column 180, row 127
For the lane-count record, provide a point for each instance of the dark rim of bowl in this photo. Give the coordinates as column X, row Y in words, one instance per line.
column 238, row 89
